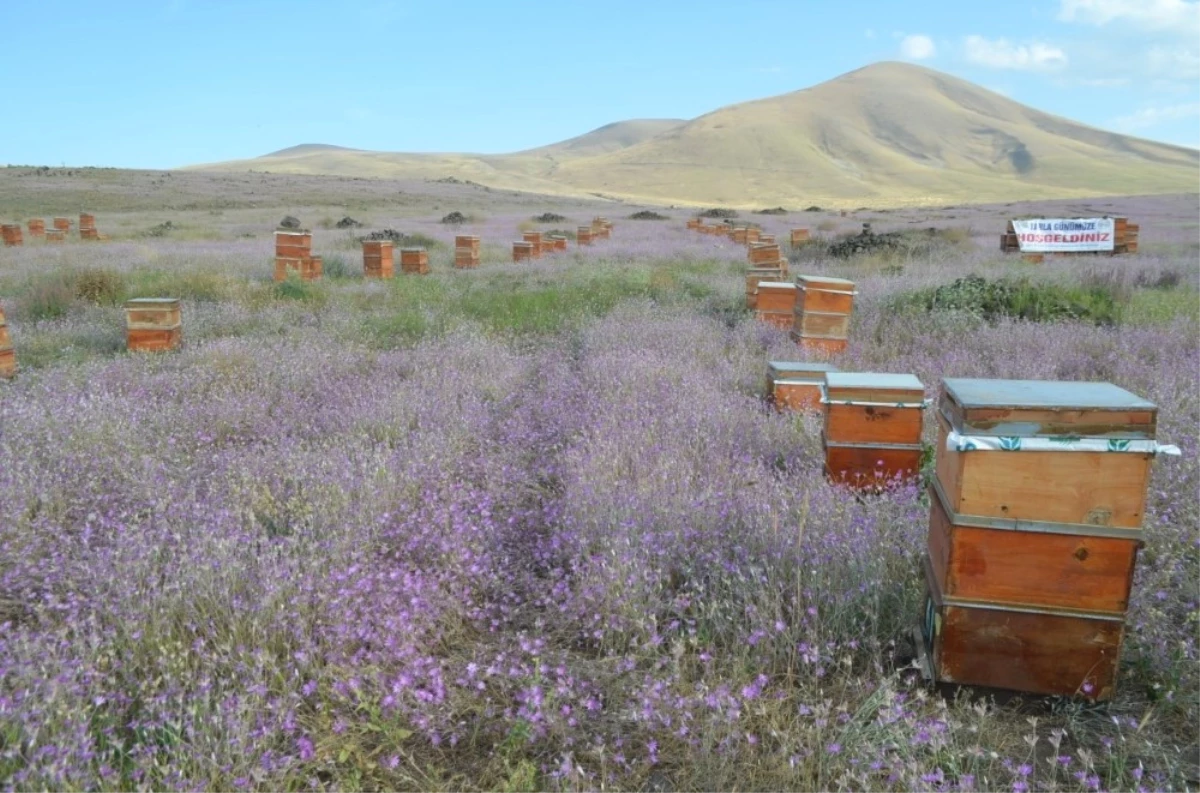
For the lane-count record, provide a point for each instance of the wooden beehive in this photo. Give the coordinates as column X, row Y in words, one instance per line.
column 62, row 224
column 414, row 261
column 8, row 358
column 739, row 235
column 534, row 238
column 1035, row 524
column 87, row 221
column 764, row 254
column 766, row 239
column 55, row 235
column 293, row 244
column 872, row 432
column 11, row 234
column 522, row 251
column 37, row 227
column 822, row 314
column 583, row 235
column 466, row 241
column 751, row 236
column 379, row 259
column 775, row 303
column 799, row 237
column 153, row 324
column 695, row 223
column 754, row 277
column 797, row 385
column 547, row 246
column 89, row 234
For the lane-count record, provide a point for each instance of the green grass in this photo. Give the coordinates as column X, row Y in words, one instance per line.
column 1159, row 307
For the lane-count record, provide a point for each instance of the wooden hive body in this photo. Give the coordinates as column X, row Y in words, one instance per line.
column 37, row 227
column 8, row 358
column 799, row 237
column 414, row 261
column 62, row 224
column 1034, row 530
column 872, row 432
column 522, row 251
column 797, row 385
column 583, row 235
column 761, row 254
column 773, row 303
column 153, row 324
column 379, row 259
column 822, row 311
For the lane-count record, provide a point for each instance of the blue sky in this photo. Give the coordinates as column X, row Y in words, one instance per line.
column 164, row 84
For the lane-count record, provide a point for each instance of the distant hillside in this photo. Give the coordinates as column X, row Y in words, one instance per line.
column 890, row 133
column 307, row 148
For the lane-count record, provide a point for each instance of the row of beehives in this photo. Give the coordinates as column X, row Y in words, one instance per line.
column 12, row 235
column 1125, row 240
column 293, row 252
column 152, row 324
column 1037, row 499
column 746, row 235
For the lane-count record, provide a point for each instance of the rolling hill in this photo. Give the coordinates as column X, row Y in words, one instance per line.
column 886, row 134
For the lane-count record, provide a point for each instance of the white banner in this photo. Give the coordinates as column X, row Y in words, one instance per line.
column 1056, row 235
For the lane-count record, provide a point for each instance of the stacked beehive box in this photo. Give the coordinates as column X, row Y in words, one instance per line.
column 799, row 237
column 293, row 254
column 1126, row 235
column 601, row 228
column 522, row 251
column 379, row 259
column 414, row 261
column 466, row 251
column 87, row 227
column 560, row 242
column 55, row 235
column 766, row 239
column 11, row 234
column 694, row 224
column 153, row 324
column 775, row 304
column 739, row 235
column 763, row 254
column 583, row 236
column 872, row 433
column 547, row 246
column 534, row 238
column 37, row 227
column 797, row 385
column 62, row 224
column 1035, row 523
column 756, row 276
column 822, row 315
column 8, row 358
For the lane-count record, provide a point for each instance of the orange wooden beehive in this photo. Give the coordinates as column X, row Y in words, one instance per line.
column 560, row 242
column 86, row 221
column 754, row 277
column 695, row 223
column 11, row 234
column 1035, row 524
column 153, row 324
column 763, row 254
column 37, row 227
column 751, row 236
column 62, row 224
column 775, row 303
column 293, row 244
column 466, row 251
column 8, row 358
column 534, row 238
column 379, row 259
column 797, row 385
column 823, row 309
column 739, row 235
column 872, row 432
column 522, row 251
column 584, row 236
column 55, row 235
column 414, row 261
column 799, row 237
column 766, row 239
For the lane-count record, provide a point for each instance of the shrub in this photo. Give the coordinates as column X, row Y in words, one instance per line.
column 814, row 208
column 646, row 214
column 99, row 286
column 49, row 296
column 1015, row 299
column 548, row 217
column 455, row 218
column 773, row 211
column 335, row 267
column 718, row 213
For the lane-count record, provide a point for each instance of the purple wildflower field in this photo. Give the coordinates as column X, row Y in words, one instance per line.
column 532, row 526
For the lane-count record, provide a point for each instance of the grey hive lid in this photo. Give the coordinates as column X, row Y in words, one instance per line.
column 1049, row 394
column 784, row 367
column 874, row 380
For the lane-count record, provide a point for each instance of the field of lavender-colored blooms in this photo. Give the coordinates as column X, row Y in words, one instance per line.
column 530, row 526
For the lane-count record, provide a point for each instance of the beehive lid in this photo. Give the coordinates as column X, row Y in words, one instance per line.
column 874, row 387
column 825, row 282
column 807, row 371
column 1029, row 408
column 152, row 302
column 775, row 285
column 412, row 250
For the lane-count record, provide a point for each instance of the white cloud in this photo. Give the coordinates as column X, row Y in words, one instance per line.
column 1003, row 54
column 917, row 47
column 1149, row 117
column 1179, row 15
column 1173, row 63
